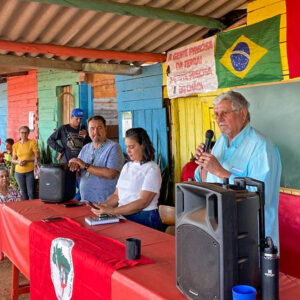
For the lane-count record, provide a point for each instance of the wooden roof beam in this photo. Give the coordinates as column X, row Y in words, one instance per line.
column 45, row 63
column 81, row 52
column 109, row 6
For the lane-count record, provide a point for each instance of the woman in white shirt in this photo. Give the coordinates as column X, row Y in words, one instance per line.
column 138, row 187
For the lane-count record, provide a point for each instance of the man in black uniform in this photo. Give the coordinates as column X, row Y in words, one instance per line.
column 71, row 137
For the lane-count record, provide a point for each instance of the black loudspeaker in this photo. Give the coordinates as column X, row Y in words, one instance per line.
column 57, row 183
column 218, row 233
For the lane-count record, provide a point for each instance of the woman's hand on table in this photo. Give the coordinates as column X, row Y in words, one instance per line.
column 103, row 208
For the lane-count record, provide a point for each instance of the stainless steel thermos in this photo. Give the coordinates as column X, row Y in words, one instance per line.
column 270, row 271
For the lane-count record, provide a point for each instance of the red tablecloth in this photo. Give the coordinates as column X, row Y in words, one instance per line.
column 152, row 281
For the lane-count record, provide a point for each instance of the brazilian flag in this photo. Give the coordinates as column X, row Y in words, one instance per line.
column 249, row 54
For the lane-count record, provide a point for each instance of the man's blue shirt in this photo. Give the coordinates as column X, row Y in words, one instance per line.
column 252, row 155
column 109, row 155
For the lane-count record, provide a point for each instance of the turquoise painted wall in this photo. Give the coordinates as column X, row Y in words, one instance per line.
column 86, row 101
column 142, row 96
column 49, row 84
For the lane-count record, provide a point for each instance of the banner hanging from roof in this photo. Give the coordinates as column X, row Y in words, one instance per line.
column 191, row 69
column 293, row 41
column 249, row 54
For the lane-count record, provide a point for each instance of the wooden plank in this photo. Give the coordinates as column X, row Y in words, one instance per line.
column 138, row 105
column 175, row 144
column 284, row 64
column 110, row 68
column 49, row 82
column 283, row 50
column 266, row 12
column 165, row 92
column 105, row 105
column 105, row 91
column 290, row 191
column 81, row 52
column 164, row 71
column 155, row 69
column 182, row 129
column 140, row 94
column 137, row 83
column 148, row 126
column 139, row 11
column 21, row 99
column 161, row 124
column 282, row 35
column 138, row 118
column 254, row 5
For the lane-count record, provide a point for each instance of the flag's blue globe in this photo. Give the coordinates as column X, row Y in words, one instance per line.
column 240, row 56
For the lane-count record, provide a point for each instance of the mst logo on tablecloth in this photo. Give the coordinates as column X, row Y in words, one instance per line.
column 62, row 271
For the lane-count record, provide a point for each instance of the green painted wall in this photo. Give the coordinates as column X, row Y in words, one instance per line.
column 49, row 83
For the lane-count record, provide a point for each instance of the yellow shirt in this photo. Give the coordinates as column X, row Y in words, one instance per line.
column 24, row 152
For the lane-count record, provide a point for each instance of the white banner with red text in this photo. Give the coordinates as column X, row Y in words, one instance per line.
column 191, row 69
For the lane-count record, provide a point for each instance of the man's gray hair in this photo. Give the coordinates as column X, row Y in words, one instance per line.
column 238, row 101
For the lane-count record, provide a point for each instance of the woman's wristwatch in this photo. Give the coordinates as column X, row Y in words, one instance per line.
column 86, row 166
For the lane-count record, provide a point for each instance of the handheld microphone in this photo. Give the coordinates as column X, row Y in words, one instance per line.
column 82, row 127
column 208, row 137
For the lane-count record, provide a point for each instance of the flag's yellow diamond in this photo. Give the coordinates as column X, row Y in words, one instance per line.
column 242, row 56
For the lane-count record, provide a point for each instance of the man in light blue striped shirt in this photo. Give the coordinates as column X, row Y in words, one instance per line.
column 99, row 163
column 241, row 151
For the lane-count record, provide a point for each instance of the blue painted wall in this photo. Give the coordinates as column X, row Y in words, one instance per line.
column 142, row 96
column 3, row 114
column 86, row 101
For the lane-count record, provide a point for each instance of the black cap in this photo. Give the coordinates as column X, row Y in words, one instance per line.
column 269, row 246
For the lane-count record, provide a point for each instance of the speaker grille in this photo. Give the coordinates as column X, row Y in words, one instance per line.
column 198, row 263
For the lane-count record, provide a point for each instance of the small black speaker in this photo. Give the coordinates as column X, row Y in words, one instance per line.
column 57, row 183
column 217, row 240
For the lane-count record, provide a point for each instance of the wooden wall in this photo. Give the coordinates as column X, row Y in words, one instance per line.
column 21, row 99
column 49, row 84
column 3, row 114
column 142, row 96
column 190, row 118
column 105, row 104
column 86, row 101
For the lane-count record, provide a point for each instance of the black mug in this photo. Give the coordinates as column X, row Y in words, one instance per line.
column 133, row 249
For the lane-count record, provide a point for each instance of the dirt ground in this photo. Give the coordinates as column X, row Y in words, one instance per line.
column 5, row 281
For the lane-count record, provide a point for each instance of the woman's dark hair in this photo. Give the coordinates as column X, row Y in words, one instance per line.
column 10, row 141
column 140, row 135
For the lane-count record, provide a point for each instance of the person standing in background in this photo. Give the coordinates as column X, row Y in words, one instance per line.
column 71, row 136
column 7, row 154
column 25, row 151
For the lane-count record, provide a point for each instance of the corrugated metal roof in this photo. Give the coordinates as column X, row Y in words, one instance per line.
column 34, row 22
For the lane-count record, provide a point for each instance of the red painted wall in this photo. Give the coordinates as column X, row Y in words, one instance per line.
column 21, row 99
